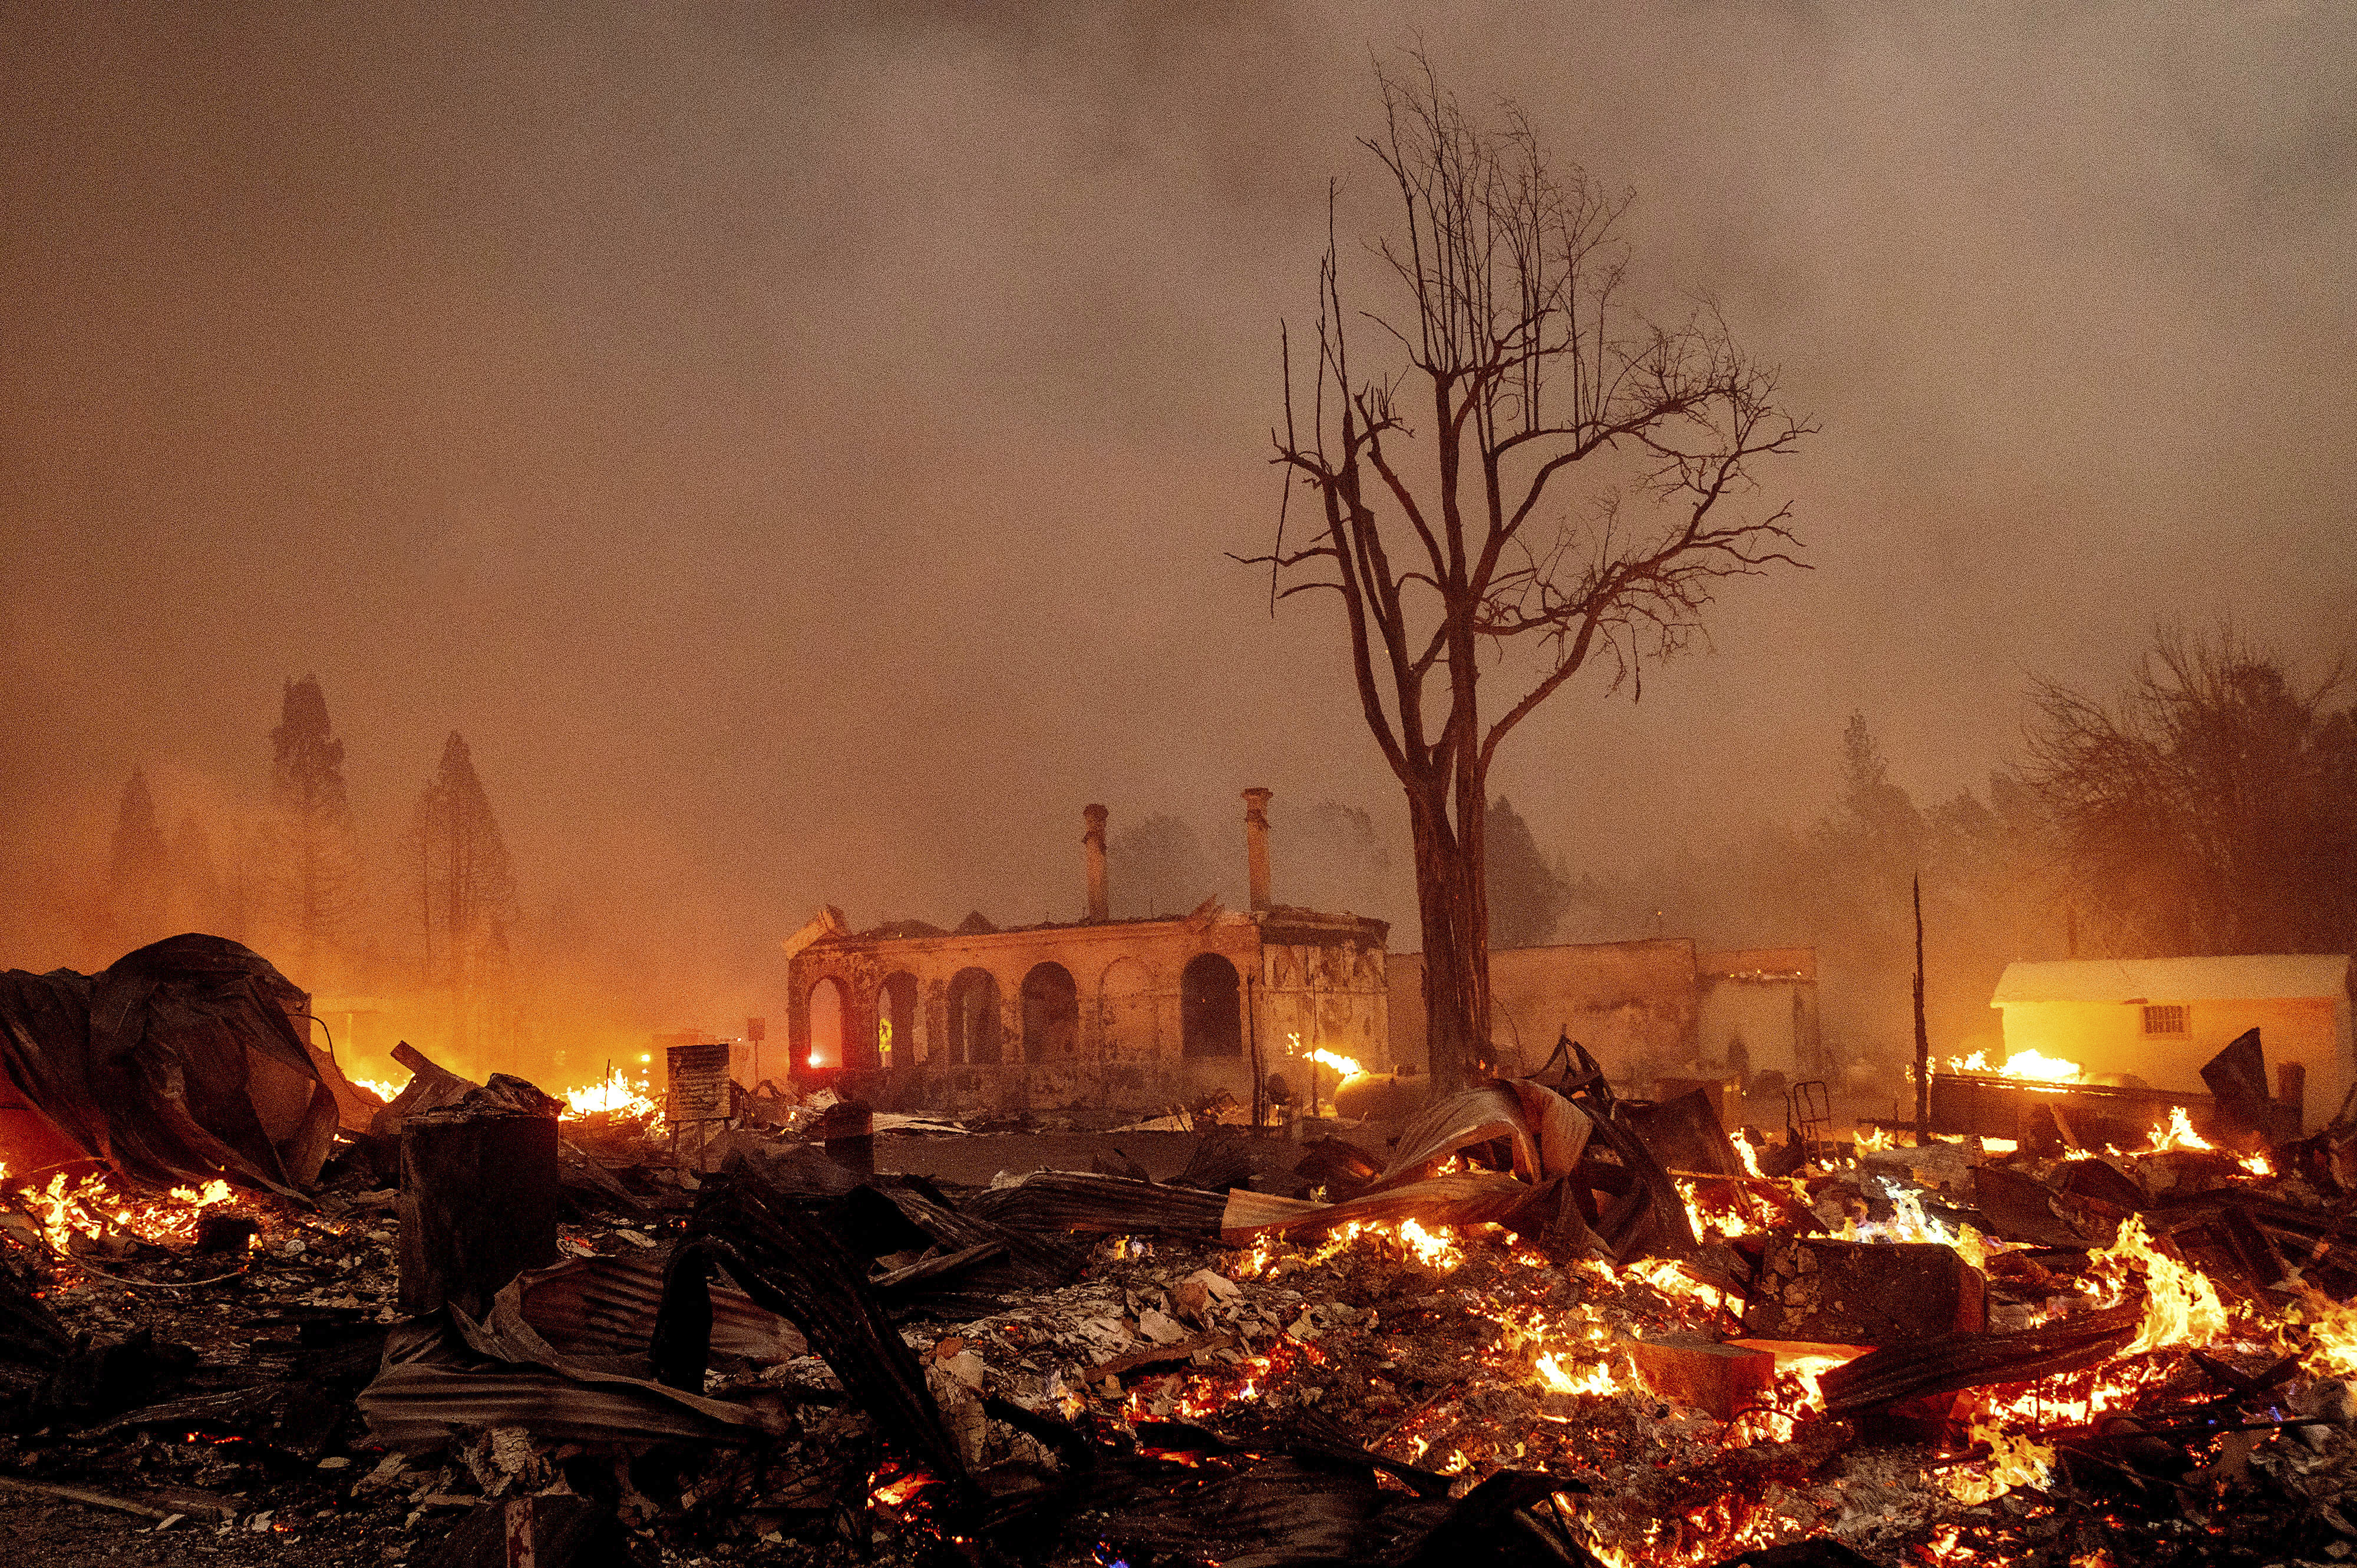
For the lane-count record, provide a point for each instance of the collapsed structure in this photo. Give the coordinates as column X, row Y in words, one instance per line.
column 1533, row 1322
column 1095, row 1013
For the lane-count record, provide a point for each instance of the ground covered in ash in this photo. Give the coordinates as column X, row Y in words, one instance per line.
column 206, row 1412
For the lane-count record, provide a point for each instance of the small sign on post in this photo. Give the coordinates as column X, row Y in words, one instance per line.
column 697, row 1095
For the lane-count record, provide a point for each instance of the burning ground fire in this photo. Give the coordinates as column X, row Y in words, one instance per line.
column 1544, row 1369
column 72, row 1213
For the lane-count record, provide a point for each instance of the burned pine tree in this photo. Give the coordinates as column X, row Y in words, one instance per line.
column 466, row 896
column 311, row 866
column 139, row 867
column 1530, row 376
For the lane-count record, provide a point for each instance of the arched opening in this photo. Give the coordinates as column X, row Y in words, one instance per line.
column 1126, row 1014
column 896, row 1022
column 826, row 1004
column 1051, row 1015
column 974, row 1018
column 1211, row 1013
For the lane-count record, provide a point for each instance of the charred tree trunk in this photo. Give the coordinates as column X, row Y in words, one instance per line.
column 1455, row 945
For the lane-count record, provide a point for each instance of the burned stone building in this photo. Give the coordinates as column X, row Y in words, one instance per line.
column 1099, row 1014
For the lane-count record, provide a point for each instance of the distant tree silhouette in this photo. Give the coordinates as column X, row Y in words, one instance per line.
column 310, row 866
column 139, row 869
column 1528, row 895
column 2212, row 810
column 466, row 899
column 1331, row 856
column 1157, row 867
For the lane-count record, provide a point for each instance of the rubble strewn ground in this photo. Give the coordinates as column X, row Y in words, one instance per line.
column 1159, row 1394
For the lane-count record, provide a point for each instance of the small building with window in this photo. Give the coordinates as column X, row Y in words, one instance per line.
column 1095, row 1013
column 2159, row 1019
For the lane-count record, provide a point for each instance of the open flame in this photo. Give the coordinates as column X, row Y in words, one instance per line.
column 2013, row 1461
column 89, row 1207
column 611, row 1095
column 2021, row 1064
column 2176, row 1133
column 1908, row 1222
column 2182, row 1309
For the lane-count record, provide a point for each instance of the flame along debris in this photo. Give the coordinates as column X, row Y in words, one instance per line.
column 91, row 1207
column 613, row 1095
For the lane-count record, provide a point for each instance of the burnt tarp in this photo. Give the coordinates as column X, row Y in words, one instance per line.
column 179, row 1061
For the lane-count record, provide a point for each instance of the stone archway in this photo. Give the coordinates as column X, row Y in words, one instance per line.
column 1210, row 1008
column 974, row 1018
column 896, row 1022
column 1051, row 1015
column 1127, row 1020
column 826, row 1006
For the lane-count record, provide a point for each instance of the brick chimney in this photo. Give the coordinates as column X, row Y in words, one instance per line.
column 1256, row 844
column 1099, row 907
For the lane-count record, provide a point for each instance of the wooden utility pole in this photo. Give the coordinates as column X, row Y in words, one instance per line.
column 1922, row 1037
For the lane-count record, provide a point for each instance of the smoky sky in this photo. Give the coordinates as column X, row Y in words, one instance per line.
column 798, row 449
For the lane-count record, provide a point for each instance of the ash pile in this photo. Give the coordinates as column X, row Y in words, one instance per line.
column 1533, row 1322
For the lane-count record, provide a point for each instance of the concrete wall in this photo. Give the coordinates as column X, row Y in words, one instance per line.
column 2109, row 1038
column 1758, row 1012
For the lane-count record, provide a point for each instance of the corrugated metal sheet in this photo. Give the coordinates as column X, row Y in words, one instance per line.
column 606, row 1307
column 444, row 1374
column 2258, row 976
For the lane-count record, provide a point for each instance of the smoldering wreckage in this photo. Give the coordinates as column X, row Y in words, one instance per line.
column 254, row 1312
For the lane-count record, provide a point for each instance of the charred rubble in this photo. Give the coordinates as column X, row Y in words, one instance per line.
column 1535, row 1322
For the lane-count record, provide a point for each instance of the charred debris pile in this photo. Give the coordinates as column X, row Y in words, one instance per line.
column 1536, row 1323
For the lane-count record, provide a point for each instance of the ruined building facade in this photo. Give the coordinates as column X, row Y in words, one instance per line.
column 1098, row 1014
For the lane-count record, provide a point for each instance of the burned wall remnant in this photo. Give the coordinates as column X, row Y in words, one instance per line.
column 1644, row 1009
column 1097, row 1013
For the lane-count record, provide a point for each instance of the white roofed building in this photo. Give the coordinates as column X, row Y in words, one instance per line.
column 2159, row 1019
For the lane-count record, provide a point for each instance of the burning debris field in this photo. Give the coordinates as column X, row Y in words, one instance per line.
column 1533, row 1322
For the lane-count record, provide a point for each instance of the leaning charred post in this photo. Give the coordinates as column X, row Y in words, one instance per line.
column 479, row 1195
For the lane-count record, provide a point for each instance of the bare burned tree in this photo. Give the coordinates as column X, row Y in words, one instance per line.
column 2212, row 809
column 1535, row 374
